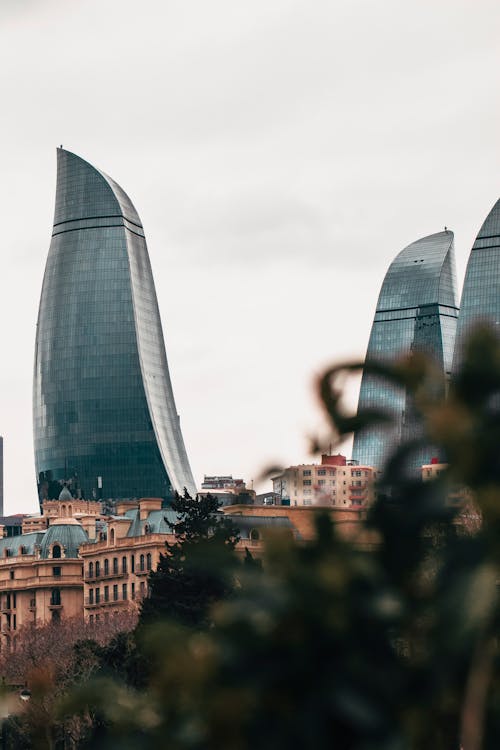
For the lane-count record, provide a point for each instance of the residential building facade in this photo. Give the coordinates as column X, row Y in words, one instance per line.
column 336, row 482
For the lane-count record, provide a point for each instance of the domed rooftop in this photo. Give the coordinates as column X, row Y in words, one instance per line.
column 66, row 532
column 65, row 494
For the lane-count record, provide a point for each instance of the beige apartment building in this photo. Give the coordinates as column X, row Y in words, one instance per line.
column 335, row 482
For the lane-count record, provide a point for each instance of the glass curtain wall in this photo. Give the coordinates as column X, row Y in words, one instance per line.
column 416, row 311
column 104, row 413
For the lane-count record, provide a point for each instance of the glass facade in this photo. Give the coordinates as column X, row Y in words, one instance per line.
column 481, row 292
column 416, row 311
column 103, row 405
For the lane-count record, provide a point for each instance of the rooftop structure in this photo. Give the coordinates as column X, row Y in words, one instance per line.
column 104, row 415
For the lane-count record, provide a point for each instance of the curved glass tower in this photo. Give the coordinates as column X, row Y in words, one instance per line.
column 416, row 311
column 103, row 408
column 481, row 292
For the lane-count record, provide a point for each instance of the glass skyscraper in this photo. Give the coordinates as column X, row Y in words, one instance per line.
column 481, row 292
column 416, row 311
column 103, row 408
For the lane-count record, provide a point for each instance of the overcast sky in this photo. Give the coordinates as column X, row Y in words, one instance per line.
column 280, row 154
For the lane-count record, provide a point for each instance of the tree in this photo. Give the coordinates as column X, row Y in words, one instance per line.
column 197, row 569
column 331, row 645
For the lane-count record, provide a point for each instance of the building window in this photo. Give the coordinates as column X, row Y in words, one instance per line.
column 91, row 596
column 141, row 562
column 132, row 590
column 97, row 596
column 112, row 536
column 106, row 567
column 307, row 492
column 91, row 619
column 115, row 592
column 55, row 597
column 91, row 570
column 132, row 563
column 306, row 472
column 124, row 564
column 106, row 593
column 254, row 535
column 148, row 561
column 11, row 575
column 307, row 481
column 56, row 551
column 143, row 589
column 115, row 565
column 321, row 472
column 124, row 591
column 321, row 481
column 97, row 569
column 56, row 571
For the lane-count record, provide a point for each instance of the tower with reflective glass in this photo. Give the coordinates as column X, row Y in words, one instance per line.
column 481, row 292
column 416, row 311
column 103, row 407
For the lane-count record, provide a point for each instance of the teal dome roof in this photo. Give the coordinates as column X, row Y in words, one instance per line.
column 65, row 494
column 68, row 534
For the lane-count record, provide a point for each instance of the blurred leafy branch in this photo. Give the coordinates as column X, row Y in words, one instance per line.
column 331, row 645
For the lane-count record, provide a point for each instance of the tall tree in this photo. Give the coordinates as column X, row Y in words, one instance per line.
column 197, row 569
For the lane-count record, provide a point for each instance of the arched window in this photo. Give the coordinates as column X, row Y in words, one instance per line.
column 55, row 597
column 91, row 570
column 124, row 564
column 63, row 510
column 132, row 563
column 112, row 536
column 56, row 551
column 141, row 563
column 70, row 510
column 106, row 567
column 115, row 565
column 254, row 535
column 97, row 569
column 148, row 561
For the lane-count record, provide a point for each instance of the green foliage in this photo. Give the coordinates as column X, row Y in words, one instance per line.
column 197, row 569
column 386, row 642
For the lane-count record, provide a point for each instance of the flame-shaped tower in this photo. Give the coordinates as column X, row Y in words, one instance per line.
column 103, row 407
column 416, row 311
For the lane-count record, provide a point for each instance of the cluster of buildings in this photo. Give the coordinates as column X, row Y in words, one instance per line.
column 107, row 431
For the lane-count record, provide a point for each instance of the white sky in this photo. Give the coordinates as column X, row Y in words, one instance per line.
column 280, row 154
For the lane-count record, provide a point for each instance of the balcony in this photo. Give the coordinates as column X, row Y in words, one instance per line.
column 104, row 576
column 103, row 603
column 18, row 584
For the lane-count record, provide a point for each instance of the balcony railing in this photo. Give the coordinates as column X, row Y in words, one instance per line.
column 40, row 581
column 104, row 576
